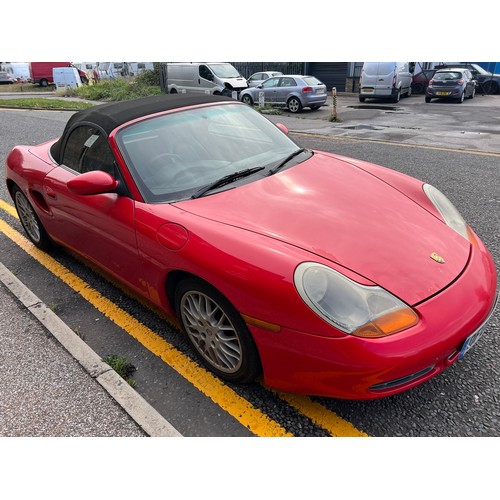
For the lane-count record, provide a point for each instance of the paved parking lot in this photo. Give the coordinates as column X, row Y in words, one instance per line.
column 473, row 125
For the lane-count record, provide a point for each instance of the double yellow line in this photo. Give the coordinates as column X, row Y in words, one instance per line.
column 242, row 410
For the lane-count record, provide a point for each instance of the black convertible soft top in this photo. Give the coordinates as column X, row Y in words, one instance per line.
column 109, row 116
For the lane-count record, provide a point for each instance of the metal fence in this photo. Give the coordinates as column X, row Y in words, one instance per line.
column 288, row 68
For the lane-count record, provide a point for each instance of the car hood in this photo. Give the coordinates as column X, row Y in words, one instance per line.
column 330, row 208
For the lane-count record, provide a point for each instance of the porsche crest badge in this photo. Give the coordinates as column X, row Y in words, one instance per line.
column 437, row 258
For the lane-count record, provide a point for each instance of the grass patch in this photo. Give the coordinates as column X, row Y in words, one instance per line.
column 270, row 110
column 120, row 89
column 26, row 87
column 42, row 103
column 335, row 118
column 123, row 367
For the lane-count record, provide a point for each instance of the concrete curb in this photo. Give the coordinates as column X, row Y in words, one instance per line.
column 137, row 407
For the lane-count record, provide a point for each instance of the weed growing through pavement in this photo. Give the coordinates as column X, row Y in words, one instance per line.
column 121, row 366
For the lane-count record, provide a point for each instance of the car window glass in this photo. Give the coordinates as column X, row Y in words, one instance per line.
column 447, row 75
column 205, row 72
column 86, row 150
column 73, row 151
column 98, row 156
column 272, row 82
column 287, row 82
column 312, row 80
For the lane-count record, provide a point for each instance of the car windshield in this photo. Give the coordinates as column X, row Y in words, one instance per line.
column 447, row 75
column 224, row 70
column 480, row 69
column 172, row 156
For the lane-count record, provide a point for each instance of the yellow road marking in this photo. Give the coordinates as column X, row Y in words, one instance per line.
column 321, row 416
column 241, row 409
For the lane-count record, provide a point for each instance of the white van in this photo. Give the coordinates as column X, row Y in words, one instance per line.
column 213, row 78
column 386, row 80
column 66, row 78
column 19, row 71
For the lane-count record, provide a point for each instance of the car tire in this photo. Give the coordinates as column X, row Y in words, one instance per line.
column 294, row 105
column 314, row 108
column 428, row 99
column 461, row 99
column 362, row 99
column 247, row 99
column 490, row 87
column 473, row 93
column 30, row 221
column 217, row 332
column 173, row 91
column 397, row 96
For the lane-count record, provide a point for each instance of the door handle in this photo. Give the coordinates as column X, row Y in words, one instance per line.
column 50, row 192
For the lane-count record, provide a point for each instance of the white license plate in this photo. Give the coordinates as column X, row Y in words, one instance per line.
column 320, row 91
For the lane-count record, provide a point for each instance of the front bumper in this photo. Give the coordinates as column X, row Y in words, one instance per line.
column 355, row 368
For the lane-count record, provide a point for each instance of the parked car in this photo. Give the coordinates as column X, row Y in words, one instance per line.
column 421, row 80
column 292, row 91
column 488, row 83
column 330, row 276
column 452, row 83
column 6, row 78
column 258, row 78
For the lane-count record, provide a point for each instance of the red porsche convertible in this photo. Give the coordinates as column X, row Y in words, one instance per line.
column 327, row 275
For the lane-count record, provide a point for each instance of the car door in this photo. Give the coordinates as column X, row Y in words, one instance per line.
column 101, row 227
column 255, row 79
column 470, row 85
column 205, row 79
column 286, row 86
column 270, row 89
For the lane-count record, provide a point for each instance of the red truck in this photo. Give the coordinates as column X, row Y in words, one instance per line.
column 41, row 72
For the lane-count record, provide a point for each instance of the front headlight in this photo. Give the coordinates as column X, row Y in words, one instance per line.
column 449, row 213
column 363, row 311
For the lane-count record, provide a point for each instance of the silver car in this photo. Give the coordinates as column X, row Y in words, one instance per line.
column 261, row 76
column 292, row 91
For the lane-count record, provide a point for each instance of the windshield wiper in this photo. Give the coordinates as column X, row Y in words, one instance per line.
column 226, row 180
column 282, row 163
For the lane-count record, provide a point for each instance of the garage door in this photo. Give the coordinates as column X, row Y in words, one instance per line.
column 331, row 74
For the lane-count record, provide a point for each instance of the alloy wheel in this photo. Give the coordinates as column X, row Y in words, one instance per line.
column 28, row 217
column 211, row 331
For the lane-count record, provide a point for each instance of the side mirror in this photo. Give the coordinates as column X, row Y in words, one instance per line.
column 282, row 128
column 95, row 182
